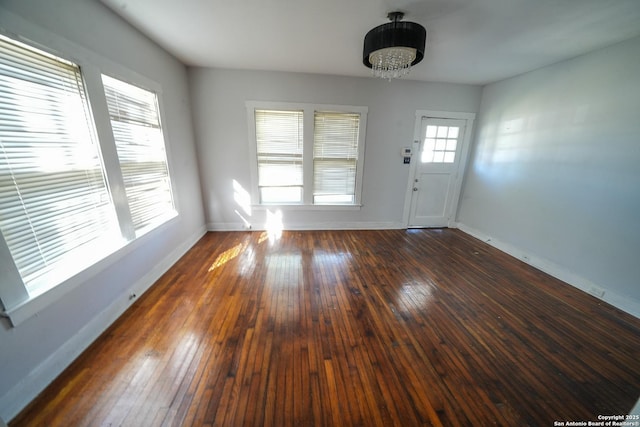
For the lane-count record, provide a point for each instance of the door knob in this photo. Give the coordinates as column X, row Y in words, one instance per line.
column 415, row 188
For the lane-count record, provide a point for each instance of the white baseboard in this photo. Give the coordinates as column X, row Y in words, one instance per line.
column 636, row 409
column 38, row 379
column 227, row 226
column 359, row 225
column 623, row 303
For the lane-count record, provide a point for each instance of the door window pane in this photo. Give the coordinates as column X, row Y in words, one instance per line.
column 440, row 144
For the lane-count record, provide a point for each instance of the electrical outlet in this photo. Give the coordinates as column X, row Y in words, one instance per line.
column 596, row 291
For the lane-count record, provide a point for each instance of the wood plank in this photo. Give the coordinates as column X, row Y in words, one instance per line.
column 375, row 327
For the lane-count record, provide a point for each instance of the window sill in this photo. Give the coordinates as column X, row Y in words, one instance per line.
column 284, row 207
column 39, row 301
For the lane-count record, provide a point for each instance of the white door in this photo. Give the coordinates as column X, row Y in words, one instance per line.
column 436, row 172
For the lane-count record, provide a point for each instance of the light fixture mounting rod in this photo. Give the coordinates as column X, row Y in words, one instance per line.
column 395, row 16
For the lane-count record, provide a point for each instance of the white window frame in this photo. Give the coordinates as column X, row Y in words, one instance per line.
column 16, row 303
column 308, row 110
column 168, row 211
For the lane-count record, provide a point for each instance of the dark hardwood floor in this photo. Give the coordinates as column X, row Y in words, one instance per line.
column 351, row 328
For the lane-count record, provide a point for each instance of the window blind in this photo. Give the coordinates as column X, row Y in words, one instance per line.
column 53, row 195
column 135, row 122
column 335, row 157
column 279, row 142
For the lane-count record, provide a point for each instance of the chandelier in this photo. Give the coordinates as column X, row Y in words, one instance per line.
column 391, row 49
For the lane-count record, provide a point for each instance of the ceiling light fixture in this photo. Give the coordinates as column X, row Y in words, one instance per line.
column 391, row 49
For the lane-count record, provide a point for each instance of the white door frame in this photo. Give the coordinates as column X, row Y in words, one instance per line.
column 469, row 118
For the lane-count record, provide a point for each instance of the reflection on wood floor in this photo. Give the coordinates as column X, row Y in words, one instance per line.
column 352, row 328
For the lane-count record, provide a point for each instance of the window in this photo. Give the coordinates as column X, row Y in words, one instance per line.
column 135, row 122
column 57, row 213
column 307, row 154
column 335, row 157
column 279, row 140
column 54, row 200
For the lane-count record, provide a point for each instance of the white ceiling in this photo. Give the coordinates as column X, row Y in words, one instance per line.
column 468, row 41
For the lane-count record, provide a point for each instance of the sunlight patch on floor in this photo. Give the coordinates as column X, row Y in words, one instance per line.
column 228, row 255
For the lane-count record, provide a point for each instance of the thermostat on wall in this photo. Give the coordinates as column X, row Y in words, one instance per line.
column 406, row 155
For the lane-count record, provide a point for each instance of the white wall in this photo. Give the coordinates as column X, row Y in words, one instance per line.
column 555, row 171
column 220, row 119
column 38, row 349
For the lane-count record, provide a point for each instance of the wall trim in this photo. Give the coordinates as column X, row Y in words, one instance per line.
column 39, row 378
column 331, row 225
column 625, row 304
